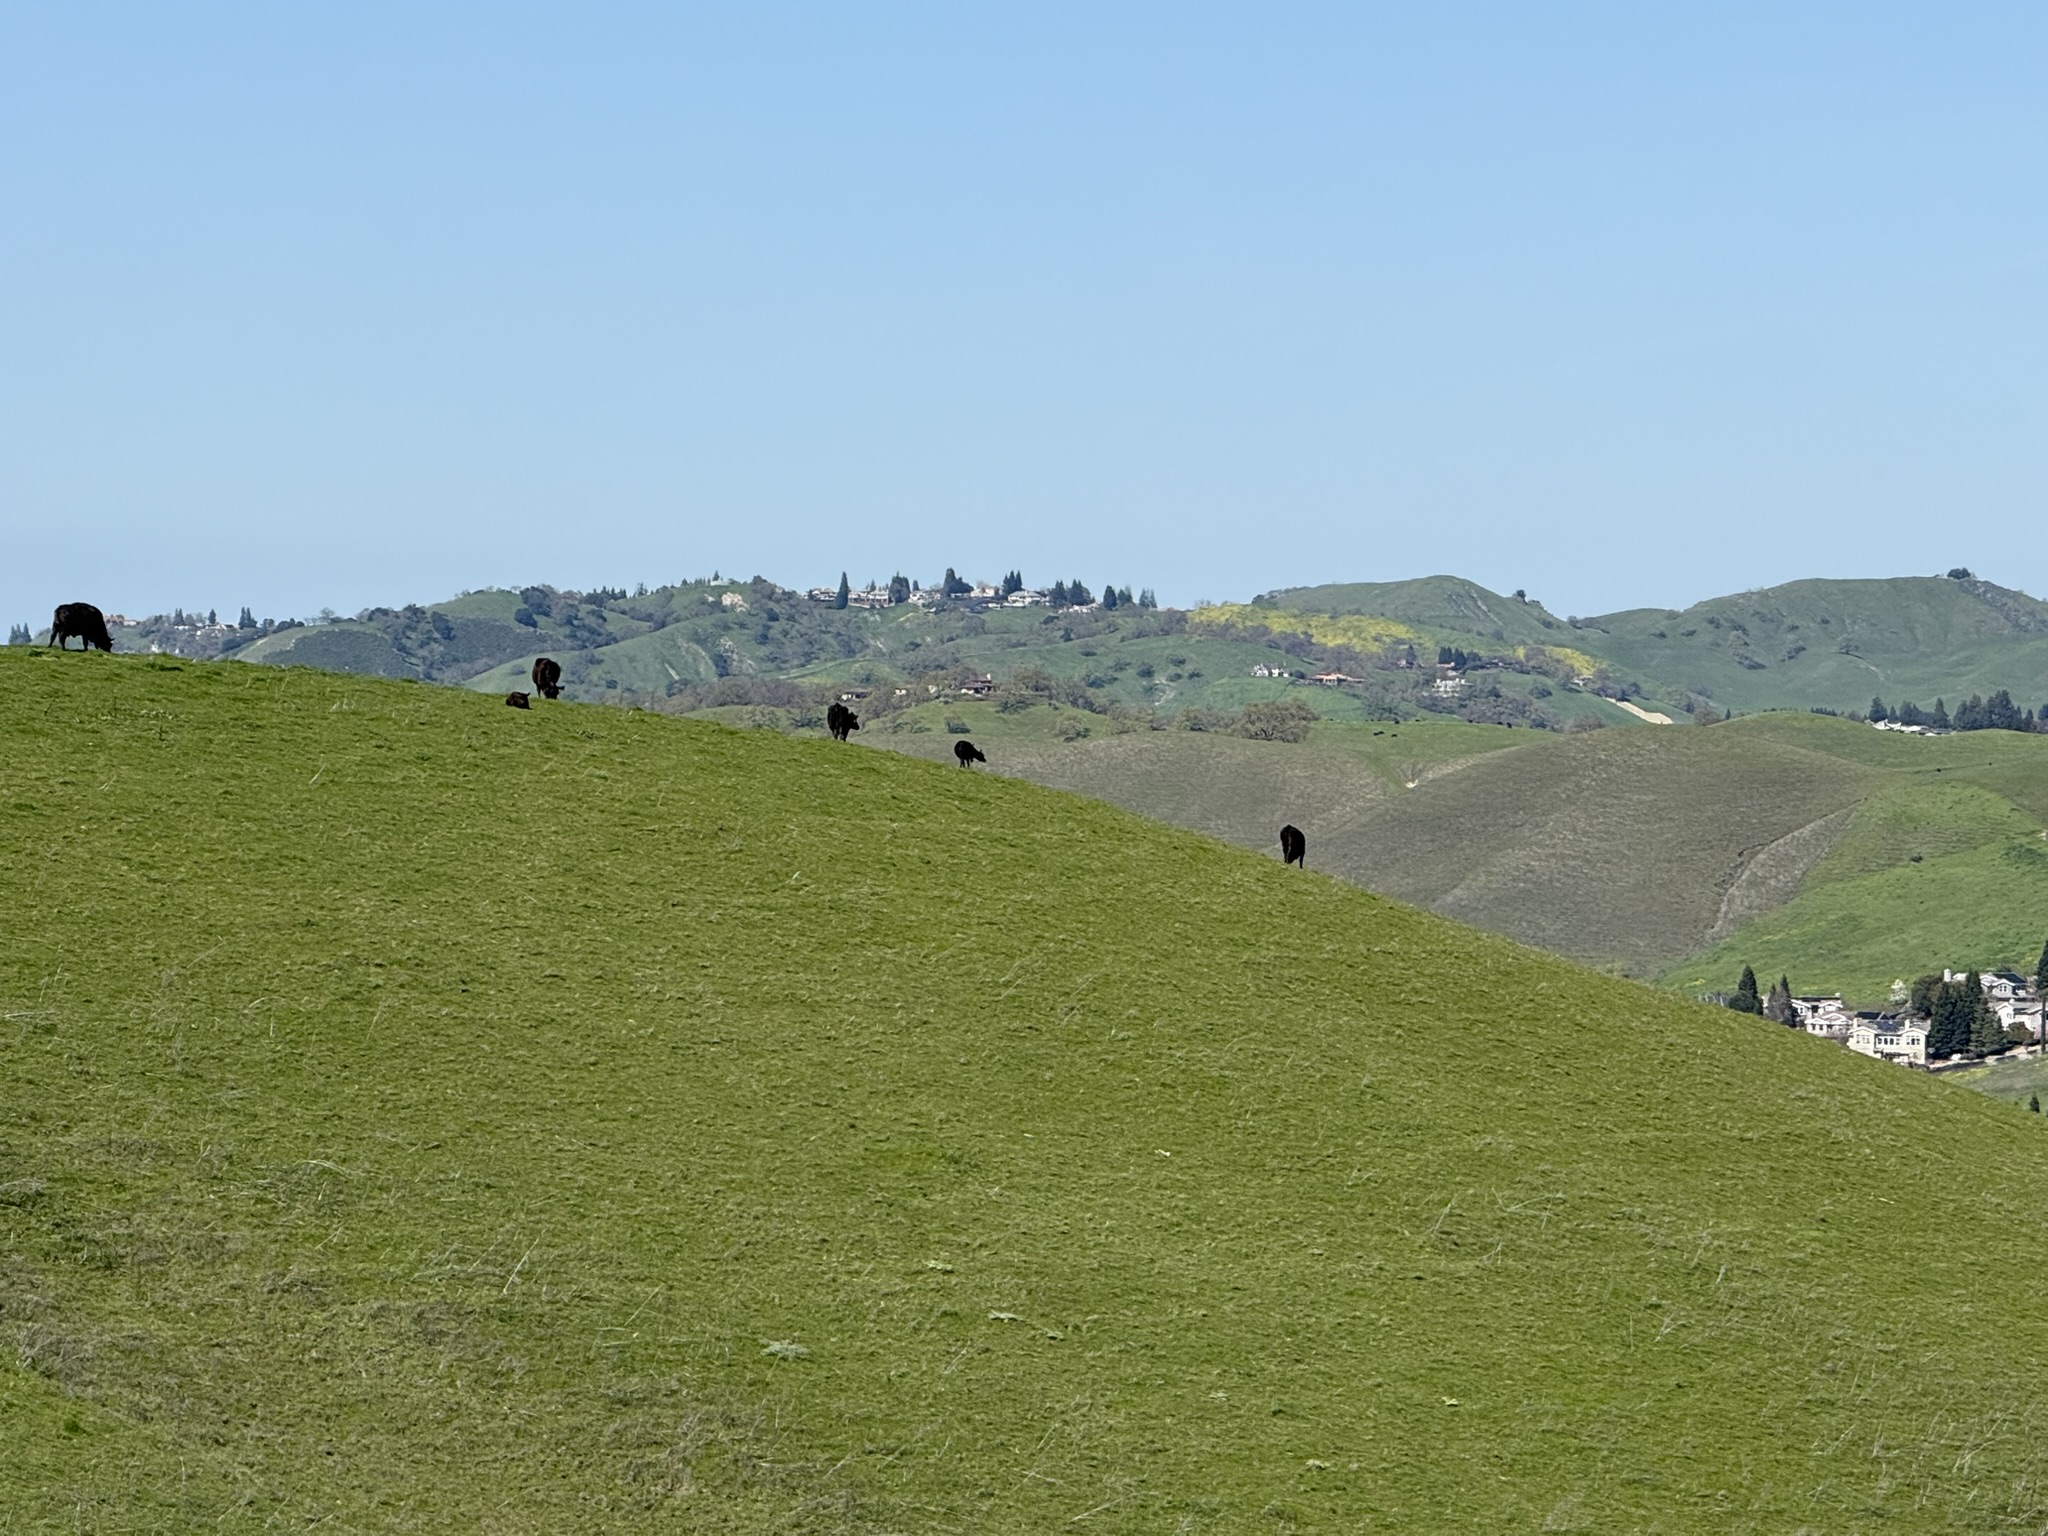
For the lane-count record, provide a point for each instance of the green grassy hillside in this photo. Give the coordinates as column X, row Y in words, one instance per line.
column 1684, row 854
column 1617, row 848
column 419, row 1114
column 1447, row 603
column 1943, row 863
column 1834, row 644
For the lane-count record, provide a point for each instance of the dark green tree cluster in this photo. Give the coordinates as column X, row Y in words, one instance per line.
column 899, row 589
column 845, row 591
column 1959, row 1021
column 1013, row 583
column 1997, row 713
column 1112, row 598
column 953, row 586
column 1746, row 998
column 18, row 634
column 1778, row 1006
column 1074, row 594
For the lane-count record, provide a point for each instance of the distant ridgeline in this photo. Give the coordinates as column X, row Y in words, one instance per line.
column 1968, row 653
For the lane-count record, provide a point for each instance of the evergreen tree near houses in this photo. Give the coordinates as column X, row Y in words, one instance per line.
column 899, row 589
column 247, row 620
column 1059, row 594
column 1147, row 600
column 1013, row 583
column 1987, row 1033
column 1078, row 594
column 1948, row 1024
column 2041, row 971
column 1778, row 1006
column 1920, row 1000
column 845, row 590
column 1109, row 597
column 1939, row 720
column 1746, row 999
column 1877, row 710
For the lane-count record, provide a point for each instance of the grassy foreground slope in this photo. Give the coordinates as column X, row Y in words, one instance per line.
column 417, row 1114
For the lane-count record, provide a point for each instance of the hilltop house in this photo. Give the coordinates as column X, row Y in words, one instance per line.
column 1889, row 1037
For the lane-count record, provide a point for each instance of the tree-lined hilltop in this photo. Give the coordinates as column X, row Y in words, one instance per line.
column 1438, row 646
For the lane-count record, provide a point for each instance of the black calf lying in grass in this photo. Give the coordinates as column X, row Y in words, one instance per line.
column 518, row 701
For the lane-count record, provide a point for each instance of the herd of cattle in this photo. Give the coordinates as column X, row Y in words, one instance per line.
column 87, row 625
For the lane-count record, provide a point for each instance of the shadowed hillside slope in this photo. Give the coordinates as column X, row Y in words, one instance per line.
column 419, row 1114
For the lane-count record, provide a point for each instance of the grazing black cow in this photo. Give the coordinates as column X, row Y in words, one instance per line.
column 967, row 753
column 1293, row 846
column 85, row 622
column 519, row 701
column 841, row 722
column 547, row 677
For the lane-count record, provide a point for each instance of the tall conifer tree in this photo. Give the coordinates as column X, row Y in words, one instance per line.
column 1746, row 999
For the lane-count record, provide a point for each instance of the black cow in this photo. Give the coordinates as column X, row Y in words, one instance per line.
column 1293, row 846
column 967, row 753
column 519, row 701
column 547, row 677
column 841, row 722
column 83, row 621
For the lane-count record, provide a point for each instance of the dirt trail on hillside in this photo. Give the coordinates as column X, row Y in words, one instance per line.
column 1773, row 874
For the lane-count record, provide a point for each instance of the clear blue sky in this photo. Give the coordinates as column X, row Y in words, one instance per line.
column 355, row 303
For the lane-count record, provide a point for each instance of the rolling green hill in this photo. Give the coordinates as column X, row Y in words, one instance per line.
column 1832, row 644
column 419, row 1114
column 1799, row 843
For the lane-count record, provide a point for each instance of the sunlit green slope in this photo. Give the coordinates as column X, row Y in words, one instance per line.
column 420, row 1114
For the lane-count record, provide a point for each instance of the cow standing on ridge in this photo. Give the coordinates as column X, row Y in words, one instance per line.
column 841, row 722
column 547, row 677
column 967, row 754
column 85, row 622
column 1293, row 846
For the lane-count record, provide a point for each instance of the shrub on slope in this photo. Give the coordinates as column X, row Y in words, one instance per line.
column 420, row 1114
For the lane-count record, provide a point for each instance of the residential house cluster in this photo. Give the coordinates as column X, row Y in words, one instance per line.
column 980, row 595
column 1901, row 1036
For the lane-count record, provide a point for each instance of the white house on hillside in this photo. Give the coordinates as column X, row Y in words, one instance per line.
column 1824, row 1016
column 1889, row 1038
